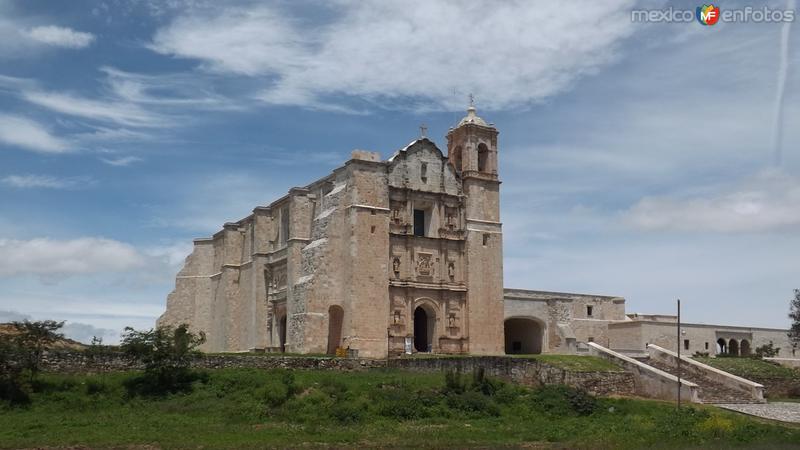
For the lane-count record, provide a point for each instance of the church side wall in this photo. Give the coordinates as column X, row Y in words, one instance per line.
column 367, row 225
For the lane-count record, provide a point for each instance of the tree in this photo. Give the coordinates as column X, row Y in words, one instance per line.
column 166, row 354
column 12, row 387
column 794, row 314
column 32, row 339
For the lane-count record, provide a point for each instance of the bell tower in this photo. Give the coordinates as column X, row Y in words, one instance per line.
column 472, row 149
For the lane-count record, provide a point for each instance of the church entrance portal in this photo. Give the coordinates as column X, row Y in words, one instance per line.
column 423, row 329
column 335, row 318
column 523, row 336
column 282, row 333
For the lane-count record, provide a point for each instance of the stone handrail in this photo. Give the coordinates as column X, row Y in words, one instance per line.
column 650, row 382
column 725, row 378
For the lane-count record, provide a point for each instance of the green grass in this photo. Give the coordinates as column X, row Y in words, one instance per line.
column 579, row 363
column 751, row 368
column 248, row 408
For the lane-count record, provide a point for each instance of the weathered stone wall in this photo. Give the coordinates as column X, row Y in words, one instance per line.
column 529, row 372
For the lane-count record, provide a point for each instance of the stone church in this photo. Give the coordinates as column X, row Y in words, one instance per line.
column 378, row 256
column 398, row 256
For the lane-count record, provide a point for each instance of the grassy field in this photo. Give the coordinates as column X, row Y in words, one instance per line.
column 243, row 408
column 751, row 368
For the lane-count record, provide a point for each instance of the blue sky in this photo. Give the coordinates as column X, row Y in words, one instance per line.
column 637, row 159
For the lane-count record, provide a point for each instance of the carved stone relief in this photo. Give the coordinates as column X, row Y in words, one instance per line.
column 425, row 264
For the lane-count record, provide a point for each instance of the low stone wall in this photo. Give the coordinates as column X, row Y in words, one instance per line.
column 793, row 363
column 780, row 387
column 691, row 367
column 649, row 381
column 76, row 362
column 524, row 371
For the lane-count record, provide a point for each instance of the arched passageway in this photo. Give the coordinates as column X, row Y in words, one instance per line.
column 733, row 347
column 335, row 320
column 282, row 333
column 523, row 336
column 744, row 348
column 722, row 346
column 424, row 320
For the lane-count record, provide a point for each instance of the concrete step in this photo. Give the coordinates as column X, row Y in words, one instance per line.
column 711, row 391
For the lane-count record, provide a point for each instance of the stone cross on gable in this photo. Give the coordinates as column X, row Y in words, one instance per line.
column 423, row 130
column 471, row 100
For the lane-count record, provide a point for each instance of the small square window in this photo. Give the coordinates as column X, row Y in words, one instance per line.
column 423, row 172
column 589, row 310
column 686, row 344
column 591, row 339
column 706, row 345
column 485, row 238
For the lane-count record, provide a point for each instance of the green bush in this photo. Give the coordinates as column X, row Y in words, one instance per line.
column 348, row 412
column 560, row 400
column 166, row 353
column 473, row 402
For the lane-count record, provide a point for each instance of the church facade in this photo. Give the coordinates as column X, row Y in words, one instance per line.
column 378, row 256
column 404, row 255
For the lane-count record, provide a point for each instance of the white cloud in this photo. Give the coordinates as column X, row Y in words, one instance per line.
column 60, row 36
column 57, row 258
column 44, row 181
column 123, row 161
column 768, row 201
column 123, row 113
column 21, row 132
column 511, row 54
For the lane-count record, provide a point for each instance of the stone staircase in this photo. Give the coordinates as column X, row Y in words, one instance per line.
column 711, row 391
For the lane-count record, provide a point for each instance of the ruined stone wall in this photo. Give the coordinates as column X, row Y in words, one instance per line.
column 518, row 370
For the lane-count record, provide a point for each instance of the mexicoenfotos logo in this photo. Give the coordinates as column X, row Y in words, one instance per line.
column 707, row 14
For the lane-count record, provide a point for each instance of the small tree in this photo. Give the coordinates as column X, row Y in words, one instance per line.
column 766, row 351
column 166, row 354
column 794, row 314
column 12, row 387
column 32, row 339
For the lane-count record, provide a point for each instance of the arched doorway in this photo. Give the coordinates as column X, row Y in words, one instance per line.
column 744, row 347
column 523, row 336
column 733, row 347
column 424, row 320
column 282, row 333
column 722, row 346
column 335, row 319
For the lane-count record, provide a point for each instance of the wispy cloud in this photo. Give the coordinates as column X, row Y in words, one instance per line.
column 107, row 110
column 57, row 258
column 60, row 36
column 385, row 51
column 123, row 161
column 767, row 201
column 29, row 135
column 45, row 181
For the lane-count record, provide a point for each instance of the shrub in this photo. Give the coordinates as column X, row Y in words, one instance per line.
column 473, row 402
column 766, row 351
column 13, row 389
column 166, row 353
column 562, row 400
column 31, row 339
column 453, row 383
column 403, row 404
column 348, row 412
